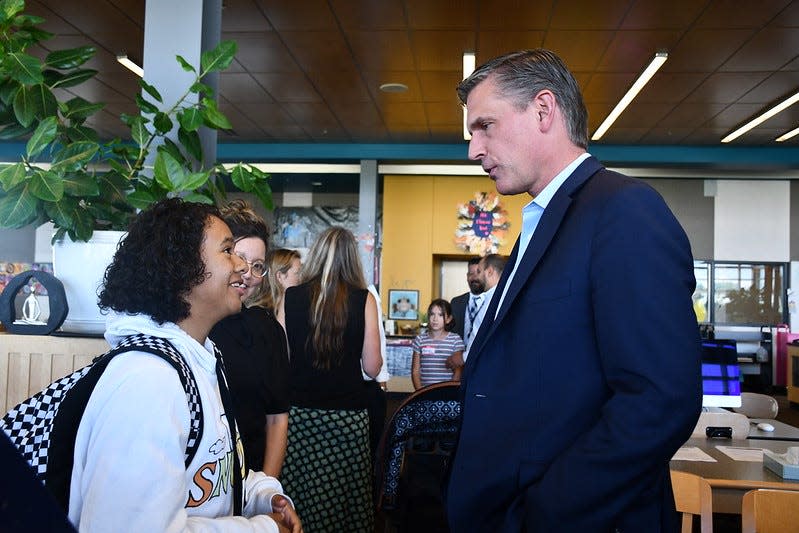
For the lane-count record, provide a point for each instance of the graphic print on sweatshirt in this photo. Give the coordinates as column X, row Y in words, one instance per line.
column 215, row 477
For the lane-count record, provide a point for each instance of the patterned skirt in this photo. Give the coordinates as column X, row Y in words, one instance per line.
column 327, row 470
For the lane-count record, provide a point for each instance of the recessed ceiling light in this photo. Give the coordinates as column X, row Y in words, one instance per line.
column 393, row 87
column 316, row 183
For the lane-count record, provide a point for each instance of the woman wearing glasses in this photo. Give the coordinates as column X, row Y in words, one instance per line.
column 254, row 349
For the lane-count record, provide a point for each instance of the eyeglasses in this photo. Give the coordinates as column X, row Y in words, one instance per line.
column 256, row 268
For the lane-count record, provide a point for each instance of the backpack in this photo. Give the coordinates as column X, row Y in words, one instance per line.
column 44, row 427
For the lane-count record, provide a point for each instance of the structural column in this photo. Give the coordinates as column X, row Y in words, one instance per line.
column 367, row 219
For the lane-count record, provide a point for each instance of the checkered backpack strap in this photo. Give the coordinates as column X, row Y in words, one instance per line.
column 44, row 427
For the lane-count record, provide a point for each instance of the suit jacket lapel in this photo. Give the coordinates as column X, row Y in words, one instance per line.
column 544, row 233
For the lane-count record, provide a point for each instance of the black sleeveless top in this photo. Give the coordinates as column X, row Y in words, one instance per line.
column 340, row 387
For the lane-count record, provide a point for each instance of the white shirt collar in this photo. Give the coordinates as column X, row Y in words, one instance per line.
column 543, row 198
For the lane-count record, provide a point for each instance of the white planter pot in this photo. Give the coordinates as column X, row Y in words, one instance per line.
column 80, row 266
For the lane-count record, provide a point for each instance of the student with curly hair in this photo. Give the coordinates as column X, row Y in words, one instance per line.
column 254, row 348
column 173, row 276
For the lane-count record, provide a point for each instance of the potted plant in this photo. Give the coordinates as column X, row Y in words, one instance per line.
column 81, row 183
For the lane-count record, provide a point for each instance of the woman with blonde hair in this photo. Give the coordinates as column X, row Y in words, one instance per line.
column 282, row 271
column 332, row 328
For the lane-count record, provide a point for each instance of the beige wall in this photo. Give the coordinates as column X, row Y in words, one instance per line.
column 419, row 222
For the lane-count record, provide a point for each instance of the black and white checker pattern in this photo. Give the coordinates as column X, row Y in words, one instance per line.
column 28, row 425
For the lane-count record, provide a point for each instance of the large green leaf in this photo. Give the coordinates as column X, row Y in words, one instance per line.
column 198, row 198
column 23, row 107
column 71, row 58
column 213, row 117
column 12, row 175
column 141, row 199
column 18, row 208
column 80, row 184
column 152, row 91
column 201, row 88
column 74, row 156
column 168, row 170
column 15, row 131
column 185, row 64
column 62, row 213
column 113, row 187
column 69, row 79
column 23, row 68
column 36, row 101
column 191, row 181
column 81, row 133
column 264, row 193
column 8, row 89
column 83, row 225
column 162, row 122
column 191, row 142
column 145, row 106
column 242, row 178
column 47, row 185
column 138, row 130
column 10, row 8
column 79, row 108
column 190, row 119
column 219, row 58
column 44, row 134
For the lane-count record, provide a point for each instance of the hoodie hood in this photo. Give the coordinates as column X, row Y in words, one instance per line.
column 121, row 325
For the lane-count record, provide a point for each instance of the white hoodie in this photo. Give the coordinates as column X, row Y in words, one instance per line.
column 129, row 472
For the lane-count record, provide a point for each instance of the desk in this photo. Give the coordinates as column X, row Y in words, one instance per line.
column 731, row 479
column 782, row 431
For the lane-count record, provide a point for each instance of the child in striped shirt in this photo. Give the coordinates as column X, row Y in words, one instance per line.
column 432, row 349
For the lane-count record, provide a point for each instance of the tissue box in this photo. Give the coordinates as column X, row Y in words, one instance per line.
column 777, row 464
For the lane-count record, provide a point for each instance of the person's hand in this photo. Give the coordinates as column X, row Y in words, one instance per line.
column 454, row 361
column 285, row 515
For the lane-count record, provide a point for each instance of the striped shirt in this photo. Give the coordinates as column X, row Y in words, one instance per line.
column 433, row 354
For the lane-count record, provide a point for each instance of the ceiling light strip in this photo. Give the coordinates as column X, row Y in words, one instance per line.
column 639, row 84
column 468, row 68
column 789, row 135
column 782, row 106
column 123, row 60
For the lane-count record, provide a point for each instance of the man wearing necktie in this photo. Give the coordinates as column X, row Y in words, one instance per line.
column 462, row 303
column 491, row 267
column 584, row 378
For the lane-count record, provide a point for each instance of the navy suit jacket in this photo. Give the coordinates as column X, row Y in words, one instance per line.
column 459, row 305
column 588, row 380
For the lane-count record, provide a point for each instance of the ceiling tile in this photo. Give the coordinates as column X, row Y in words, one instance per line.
column 370, row 15
column 491, row 44
column 441, row 50
column 726, row 87
column 298, row 14
column 775, row 88
column 264, row 52
column 319, row 50
column 705, row 50
column 382, row 50
column 580, row 50
column 285, row 87
column 242, row 88
column 243, row 15
column 439, row 86
column 508, row 15
column 690, row 115
column 739, row 13
column 634, row 50
column 649, row 15
column 589, row 14
column 441, row 15
column 770, row 48
column 341, row 86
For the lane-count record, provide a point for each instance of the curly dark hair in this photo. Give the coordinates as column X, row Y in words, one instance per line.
column 159, row 261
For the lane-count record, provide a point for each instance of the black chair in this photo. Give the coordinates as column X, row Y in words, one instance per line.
column 412, row 459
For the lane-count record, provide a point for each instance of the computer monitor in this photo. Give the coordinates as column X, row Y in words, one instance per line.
column 721, row 385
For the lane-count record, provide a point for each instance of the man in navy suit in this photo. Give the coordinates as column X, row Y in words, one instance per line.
column 584, row 377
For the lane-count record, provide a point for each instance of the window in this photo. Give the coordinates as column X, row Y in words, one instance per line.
column 742, row 293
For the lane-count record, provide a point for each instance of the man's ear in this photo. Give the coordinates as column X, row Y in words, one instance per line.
column 544, row 103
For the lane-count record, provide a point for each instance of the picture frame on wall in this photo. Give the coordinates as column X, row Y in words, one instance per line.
column 403, row 304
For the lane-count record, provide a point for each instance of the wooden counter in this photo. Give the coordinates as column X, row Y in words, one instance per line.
column 28, row 363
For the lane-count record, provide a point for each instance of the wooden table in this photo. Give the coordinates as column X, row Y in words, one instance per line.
column 731, row 479
column 782, row 431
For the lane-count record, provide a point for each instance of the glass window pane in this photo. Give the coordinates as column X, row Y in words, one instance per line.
column 748, row 293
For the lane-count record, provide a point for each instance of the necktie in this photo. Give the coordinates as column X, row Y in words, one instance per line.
column 474, row 306
column 227, row 403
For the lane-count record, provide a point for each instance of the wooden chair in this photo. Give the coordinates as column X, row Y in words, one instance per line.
column 692, row 496
column 770, row 511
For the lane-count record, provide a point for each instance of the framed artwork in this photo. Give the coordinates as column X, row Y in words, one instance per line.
column 403, row 305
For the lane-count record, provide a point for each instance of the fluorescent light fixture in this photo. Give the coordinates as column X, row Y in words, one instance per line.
column 786, row 136
column 782, row 106
column 123, row 60
column 642, row 80
column 468, row 68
